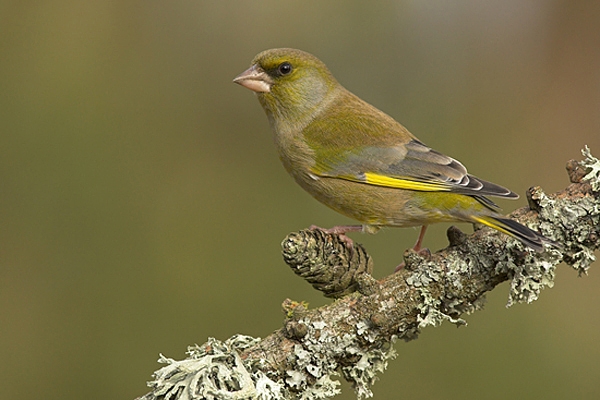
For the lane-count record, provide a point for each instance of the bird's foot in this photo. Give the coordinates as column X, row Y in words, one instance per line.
column 417, row 248
column 341, row 231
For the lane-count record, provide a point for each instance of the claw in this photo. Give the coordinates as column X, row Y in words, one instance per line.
column 341, row 231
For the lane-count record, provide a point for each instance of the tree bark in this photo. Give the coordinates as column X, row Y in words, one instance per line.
column 354, row 335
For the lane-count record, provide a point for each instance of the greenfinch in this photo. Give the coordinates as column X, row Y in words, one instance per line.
column 359, row 161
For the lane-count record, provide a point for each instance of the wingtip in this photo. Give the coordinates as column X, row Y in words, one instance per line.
column 512, row 195
column 525, row 235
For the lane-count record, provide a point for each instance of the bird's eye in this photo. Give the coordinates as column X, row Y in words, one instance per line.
column 284, row 68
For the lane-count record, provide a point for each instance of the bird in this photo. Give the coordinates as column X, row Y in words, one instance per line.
column 361, row 162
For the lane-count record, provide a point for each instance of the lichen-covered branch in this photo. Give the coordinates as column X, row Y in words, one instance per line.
column 353, row 336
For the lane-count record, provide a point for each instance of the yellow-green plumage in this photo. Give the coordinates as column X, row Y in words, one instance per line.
column 360, row 161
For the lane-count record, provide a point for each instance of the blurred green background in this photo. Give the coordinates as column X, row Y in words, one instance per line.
column 142, row 204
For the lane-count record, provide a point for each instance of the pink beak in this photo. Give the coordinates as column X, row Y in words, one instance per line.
column 255, row 79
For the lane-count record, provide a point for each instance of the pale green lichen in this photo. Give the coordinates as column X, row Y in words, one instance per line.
column 363, row 374
column 268, row 389
column 577, row 220
column 530, row 278
column 582, row 259
column 311, row 377
column 456, row 271
column 593, row 164
column 430, row 308
column 316, row 361
column 213, row 371
column 366, row 332
column 572, row 221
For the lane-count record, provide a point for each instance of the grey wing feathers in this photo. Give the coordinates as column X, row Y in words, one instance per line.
column 426, row 164
column 417, row 162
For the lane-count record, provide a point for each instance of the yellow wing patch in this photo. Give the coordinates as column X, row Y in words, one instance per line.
column 372, row 178
column 399, row 183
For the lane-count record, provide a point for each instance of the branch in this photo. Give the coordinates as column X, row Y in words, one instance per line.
column 354, row 335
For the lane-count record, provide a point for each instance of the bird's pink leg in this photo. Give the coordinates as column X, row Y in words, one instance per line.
column 417, row 245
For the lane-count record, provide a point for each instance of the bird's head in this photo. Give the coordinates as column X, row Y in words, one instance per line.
column 290, row 83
